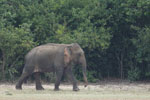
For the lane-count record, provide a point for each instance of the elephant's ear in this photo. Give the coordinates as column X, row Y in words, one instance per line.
column 67, row 56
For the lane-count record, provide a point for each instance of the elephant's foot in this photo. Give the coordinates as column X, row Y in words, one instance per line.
column 76, row 89
column 39, row 88
column 56, row 89
column 18, row 87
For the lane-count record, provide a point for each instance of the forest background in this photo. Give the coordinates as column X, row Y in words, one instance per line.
column 115, row 35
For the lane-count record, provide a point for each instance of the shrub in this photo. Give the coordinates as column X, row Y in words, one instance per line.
column 134, row 74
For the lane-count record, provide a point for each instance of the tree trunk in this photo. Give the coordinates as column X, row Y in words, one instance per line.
column 3, row 65
column 120, row 58
column 121, row 69
column 121, row 65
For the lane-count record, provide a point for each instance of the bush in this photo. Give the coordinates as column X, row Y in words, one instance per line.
column 91, row 78
column 49, row 77
column 134, row 74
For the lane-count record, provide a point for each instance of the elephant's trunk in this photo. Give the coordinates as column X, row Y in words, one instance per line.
column 84, row 76
column 84, row 72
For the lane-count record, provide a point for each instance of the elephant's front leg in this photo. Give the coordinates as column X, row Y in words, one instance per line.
column 37, row 81
column 21, row 80
column 71, row 77
column 59, row 74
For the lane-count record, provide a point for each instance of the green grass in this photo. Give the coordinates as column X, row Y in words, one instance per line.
column 92, row 92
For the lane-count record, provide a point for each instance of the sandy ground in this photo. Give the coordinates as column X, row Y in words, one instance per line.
column 99, row 91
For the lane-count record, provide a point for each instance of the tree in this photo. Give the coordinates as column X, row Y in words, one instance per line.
column 14, row 43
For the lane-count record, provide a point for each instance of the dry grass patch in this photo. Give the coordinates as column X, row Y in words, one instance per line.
column 107, row 91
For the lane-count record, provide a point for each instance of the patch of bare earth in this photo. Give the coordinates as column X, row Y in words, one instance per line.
column 100, row 91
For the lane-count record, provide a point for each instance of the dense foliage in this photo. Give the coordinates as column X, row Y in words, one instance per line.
column 115, row 34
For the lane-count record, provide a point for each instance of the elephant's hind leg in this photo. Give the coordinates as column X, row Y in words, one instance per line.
column 37, row 81
column 21, row 80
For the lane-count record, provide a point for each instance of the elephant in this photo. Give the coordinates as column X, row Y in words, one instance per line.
column 57, row 58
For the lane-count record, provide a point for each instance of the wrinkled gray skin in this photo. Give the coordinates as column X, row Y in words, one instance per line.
column 51, row 57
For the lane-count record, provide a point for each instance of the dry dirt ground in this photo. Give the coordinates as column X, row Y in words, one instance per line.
column 99, row 91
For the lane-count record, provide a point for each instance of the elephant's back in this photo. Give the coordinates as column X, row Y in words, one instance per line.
column 41, row 50
column 41, row 58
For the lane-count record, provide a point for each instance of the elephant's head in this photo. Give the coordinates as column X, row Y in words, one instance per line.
column 74, row 54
